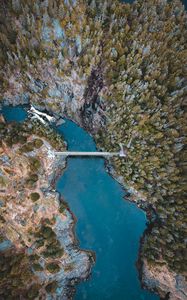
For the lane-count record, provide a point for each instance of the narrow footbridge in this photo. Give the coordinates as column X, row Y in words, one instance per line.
column 121, row 153
column 36, row 114
column 74, row 153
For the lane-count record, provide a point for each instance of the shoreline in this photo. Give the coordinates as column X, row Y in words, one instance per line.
column 81, row 259
column 133, row 196
column 117, row 71
column 72, row 283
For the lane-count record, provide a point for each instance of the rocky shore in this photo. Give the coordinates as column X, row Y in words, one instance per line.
column 117, row 70
column 172, row 286
column 36, row 226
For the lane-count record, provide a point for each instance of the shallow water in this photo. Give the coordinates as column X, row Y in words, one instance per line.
column 106, row 223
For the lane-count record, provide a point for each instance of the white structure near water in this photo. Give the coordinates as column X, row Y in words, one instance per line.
column 38, row 115
column 84, row 153
column 121, row 153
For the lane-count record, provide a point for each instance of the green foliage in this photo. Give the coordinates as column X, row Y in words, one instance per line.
column 34, row 164
column 63, row 207
column 30, row 146
column 38, row 143
column 37, row 267
column 2, row 126
column 47, row 232
column 34, row 257
column 12, row 135
column 27, row 148
column 2, row 181
column 146, row 104
column 138, row 51
column 34, row 177
column 34, row 196
column 53, row 251
column 53, row 267
column 47, row 236
column 51, row 287
column 16, row 271
column 33, row 291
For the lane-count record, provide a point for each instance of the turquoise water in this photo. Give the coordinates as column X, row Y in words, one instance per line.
column 17, row 113
column 106, row 223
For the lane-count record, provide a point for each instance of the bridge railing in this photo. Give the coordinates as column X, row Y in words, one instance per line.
column 84, row 153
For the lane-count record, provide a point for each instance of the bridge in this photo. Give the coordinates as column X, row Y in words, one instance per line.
column 39, row 115
column 74, row 153
column 121, row 153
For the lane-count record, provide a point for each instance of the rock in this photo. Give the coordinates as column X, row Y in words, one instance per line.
column 165, row 282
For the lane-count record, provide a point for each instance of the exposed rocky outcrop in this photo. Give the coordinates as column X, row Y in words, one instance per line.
column 36, row 226
column 169, row 284
column 118, row 70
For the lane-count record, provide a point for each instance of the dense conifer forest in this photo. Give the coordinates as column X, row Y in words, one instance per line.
column 124, row 63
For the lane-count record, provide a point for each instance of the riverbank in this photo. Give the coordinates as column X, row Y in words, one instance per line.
column 148, row 281
column 117, row 70
column 172, row 285
column 155, row 276
column 150, row 278
column 34, row 219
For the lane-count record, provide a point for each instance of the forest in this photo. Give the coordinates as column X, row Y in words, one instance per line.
column 128, row 62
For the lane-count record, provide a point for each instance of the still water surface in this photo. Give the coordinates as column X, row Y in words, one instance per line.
column 106, row 223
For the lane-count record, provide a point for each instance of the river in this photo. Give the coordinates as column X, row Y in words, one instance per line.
column 106, row 223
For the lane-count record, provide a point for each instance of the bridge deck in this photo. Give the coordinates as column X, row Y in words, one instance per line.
column 74, row 153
